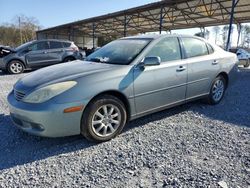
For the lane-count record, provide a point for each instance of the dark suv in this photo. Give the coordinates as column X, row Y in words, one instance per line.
column 37, row 54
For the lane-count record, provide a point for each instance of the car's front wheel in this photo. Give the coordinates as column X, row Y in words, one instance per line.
column 15, row 67
column 103, row 119
column 217, row 90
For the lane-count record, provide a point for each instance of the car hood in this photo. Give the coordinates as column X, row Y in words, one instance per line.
column 59, row 73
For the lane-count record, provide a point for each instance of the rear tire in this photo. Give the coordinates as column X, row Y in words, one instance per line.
column 103, row 119
column 247, row 64
column 217, row 90
column 15, row 67
column 68, row 59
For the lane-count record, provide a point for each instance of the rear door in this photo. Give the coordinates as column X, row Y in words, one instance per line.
column 56, row 52
column 38, row 54
column 158, row 86
column 202, row 66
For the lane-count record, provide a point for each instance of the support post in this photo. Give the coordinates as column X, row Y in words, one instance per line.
column 93, row 34
column 234, row 3
column 239, row 27
column 125, row 26
column 161, row 20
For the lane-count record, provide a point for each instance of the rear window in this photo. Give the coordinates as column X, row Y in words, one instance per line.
column 66, row 44
column 54, row 44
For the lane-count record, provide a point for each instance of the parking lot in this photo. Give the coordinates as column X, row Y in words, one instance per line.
column 193, row 145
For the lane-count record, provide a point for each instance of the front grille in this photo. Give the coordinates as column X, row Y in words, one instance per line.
column 18, row 95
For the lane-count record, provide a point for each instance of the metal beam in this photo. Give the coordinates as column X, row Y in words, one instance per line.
column 234, row 3
column 161, row 20
column 93, row 34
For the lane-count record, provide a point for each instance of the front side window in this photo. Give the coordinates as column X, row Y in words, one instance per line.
column 121, row 52
column 194, row 47
column 54, row 45
column 39, row 46
column 167, row 49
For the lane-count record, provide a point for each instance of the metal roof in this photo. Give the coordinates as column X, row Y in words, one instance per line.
column 166, row 14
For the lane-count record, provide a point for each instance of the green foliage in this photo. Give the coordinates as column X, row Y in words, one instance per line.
column 23, row 29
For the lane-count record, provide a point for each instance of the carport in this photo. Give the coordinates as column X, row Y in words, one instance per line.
column 160, row 16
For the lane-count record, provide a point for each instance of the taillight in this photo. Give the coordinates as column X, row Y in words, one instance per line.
column 74, row 48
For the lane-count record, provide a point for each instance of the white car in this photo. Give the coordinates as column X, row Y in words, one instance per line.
column 243, row 56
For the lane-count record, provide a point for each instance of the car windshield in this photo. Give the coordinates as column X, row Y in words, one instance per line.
column 23, row 46
column 121, row 52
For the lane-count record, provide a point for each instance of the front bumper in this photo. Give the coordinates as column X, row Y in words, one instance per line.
column 45, row 119
column 2, row 64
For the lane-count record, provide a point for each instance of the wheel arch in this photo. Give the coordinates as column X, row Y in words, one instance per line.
column 117, row 94
column 69, row 56
column 225, row 76
column 16, row 59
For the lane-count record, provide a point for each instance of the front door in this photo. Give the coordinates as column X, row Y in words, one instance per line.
column 161, row 85
column 38, row 54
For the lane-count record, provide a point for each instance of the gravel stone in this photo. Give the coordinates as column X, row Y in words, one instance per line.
column 193, row 145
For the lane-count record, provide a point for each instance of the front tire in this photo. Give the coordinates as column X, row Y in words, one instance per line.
column 15, row 67
column 103, row 119
column 217, row 90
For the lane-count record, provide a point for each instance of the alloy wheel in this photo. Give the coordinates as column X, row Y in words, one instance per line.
column 106, row 120
column 218, row 90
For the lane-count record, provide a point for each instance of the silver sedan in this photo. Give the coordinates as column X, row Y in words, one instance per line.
column 126, row 79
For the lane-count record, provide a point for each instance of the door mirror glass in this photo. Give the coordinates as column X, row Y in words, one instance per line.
column 152, row 61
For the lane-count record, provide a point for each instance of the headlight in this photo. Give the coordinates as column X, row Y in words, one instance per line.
column 47, row 92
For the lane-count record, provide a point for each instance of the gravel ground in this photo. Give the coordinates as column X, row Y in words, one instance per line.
column 193, row 145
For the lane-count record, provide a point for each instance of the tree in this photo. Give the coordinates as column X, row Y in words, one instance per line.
column 245, row 35
column 21, row 30
column 216, row 31
column 203, row 34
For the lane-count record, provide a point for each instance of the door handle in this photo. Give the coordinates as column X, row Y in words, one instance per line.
column 215, row 62
column 181, row 68
column 45, row 52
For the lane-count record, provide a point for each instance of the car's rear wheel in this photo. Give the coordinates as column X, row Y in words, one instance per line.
column 217, row 90
column 15, row 67
column 247, row 64
column 68, row 59
column 103, row 119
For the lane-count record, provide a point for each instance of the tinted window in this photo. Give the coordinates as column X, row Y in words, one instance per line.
column 210, row 49
column 54, row 44
column 121, row 52
column 167, row 49
column 39, row 46
column 194, row 47
column 66, row 44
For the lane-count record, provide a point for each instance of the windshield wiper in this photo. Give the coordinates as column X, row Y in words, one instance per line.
column 98, row 60
column 95, row 59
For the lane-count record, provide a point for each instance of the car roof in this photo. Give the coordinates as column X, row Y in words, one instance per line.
column 56, row 40
column 157, row 36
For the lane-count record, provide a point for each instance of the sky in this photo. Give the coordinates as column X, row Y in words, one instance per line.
column 51, row 13
column 55, row 12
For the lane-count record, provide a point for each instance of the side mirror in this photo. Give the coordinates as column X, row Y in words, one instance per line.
column 238, row 53
column 152, row 61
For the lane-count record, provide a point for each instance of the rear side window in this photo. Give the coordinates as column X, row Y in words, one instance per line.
column 210, row 49
column 66, row 44
column 54, row 45
column 194, row 47
column 167, row 49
